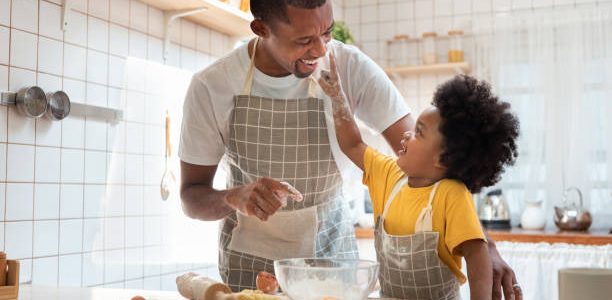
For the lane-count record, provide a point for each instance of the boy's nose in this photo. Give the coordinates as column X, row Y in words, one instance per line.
column 408, row 135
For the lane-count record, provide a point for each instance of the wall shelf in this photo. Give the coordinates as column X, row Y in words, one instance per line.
column 96, row 112
column 457, row 68
column 218, row 15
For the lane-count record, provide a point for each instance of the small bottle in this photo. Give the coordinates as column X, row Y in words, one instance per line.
column 428, row 54
column 2, row 268
column 455, row 52
column 397, row 50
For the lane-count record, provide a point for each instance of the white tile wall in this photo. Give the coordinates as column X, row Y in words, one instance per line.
column 99, row 8
column 5, row 12
column 46, row 201
column 79, row 198
column 24, row 15
column 23, row 49
column 50, row 19
column 4, row 41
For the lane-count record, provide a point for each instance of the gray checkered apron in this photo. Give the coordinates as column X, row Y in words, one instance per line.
column 410, row 267
column 285, row 139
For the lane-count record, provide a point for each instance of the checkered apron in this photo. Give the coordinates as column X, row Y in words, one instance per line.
column 285, row 139
column 410, row 267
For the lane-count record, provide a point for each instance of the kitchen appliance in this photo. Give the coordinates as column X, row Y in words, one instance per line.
column 326, row 278
column 493, row 211
column 572, row 216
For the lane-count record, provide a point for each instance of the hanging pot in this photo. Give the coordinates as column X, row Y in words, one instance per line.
column 31, row 101
column 58, row 105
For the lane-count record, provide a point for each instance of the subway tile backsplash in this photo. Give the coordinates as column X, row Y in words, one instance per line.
column 79, row 198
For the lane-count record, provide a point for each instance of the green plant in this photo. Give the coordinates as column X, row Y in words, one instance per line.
column 342, row 33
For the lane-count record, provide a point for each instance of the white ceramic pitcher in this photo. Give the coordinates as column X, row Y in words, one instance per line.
column 533, row 216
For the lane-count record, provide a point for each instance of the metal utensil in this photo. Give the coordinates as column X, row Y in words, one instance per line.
column 58, row 105
column 32, row 101
column 168, row 179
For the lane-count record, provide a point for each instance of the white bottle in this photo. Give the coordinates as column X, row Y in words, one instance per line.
column 533, row 216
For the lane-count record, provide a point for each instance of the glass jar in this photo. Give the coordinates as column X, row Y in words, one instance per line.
column 455, row 51
column 397, row 50
column 245, row 5
column 428, row 51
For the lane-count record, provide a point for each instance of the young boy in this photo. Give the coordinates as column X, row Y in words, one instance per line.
column 425, row 217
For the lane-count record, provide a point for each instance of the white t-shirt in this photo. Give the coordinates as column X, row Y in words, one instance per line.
column 209, row 100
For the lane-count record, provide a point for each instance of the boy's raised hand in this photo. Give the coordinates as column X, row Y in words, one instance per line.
column 330, row 81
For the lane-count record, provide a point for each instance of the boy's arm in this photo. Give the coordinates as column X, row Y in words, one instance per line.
column 347, row 132
column 480, row 274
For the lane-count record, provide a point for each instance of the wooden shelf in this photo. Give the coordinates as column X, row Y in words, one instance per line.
column 591, row 237
column 457, row 68
column 517, row 235
column 219, row 16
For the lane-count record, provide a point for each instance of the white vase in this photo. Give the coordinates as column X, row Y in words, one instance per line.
column 533, row 216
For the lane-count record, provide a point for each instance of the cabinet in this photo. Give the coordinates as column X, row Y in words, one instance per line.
column 219, row 16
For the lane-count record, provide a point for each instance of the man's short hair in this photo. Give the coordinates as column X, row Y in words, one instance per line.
column 268, row 10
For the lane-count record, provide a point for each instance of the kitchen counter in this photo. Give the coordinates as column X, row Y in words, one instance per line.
column 29, row 292
column 591, row 237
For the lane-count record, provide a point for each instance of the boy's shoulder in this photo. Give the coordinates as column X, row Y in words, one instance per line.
column 452, row 186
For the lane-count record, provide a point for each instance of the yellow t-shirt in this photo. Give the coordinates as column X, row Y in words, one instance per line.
column 454, row 215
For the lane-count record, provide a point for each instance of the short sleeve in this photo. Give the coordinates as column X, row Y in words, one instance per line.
column 380, row 173
column 462, row 223
column 201, row 142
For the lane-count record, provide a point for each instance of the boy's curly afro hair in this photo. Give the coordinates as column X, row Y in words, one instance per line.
column 478, row 130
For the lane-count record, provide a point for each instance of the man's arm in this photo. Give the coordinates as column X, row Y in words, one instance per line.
column 201, row 201
column 394, row 133
column 503, row 275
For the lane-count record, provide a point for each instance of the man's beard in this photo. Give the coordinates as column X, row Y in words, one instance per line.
column 299, row 74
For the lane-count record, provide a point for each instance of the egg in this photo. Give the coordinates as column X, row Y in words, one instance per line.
column 266, row 282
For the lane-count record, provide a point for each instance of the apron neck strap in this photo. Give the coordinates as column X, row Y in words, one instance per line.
column 248, row 82
column 396, row 188
column 424, row 221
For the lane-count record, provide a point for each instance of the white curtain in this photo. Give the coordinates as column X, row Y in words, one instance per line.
column 555, row 67
column 537, row 265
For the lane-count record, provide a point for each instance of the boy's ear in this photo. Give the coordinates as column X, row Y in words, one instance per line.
column 438, row 163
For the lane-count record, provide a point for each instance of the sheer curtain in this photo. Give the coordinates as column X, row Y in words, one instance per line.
column 555, row 68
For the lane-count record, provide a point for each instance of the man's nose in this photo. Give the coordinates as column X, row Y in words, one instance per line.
column 319, row 48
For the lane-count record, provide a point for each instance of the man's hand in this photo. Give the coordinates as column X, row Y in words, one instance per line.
column 503, row 277
column 261, row 198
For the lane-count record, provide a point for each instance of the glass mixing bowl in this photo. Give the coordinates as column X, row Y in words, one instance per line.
column 326, row 278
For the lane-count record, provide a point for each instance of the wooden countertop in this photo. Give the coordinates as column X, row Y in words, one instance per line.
column 591, row 237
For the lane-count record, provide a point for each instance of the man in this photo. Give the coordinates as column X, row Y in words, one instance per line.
column 261, row 109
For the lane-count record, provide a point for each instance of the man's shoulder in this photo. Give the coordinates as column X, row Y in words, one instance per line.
column 351, row 53
column 222, row 68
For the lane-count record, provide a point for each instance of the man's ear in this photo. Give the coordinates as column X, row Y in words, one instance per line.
column 260, row 28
